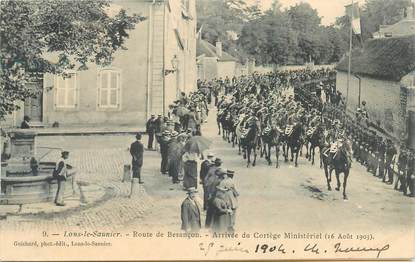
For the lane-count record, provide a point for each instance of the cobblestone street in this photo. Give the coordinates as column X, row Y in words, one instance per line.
column 99, row 161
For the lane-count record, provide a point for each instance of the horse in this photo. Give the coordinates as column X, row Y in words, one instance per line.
column 271, row 138
column 338, row 161
column 293, row 142
column 220, row 119
column 249, row 142
column 315, row 138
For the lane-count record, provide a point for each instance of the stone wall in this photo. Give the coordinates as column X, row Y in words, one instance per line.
column 383, row 100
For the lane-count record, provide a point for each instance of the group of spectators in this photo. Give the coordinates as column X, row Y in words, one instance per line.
column 183, row 121
column 220, row 199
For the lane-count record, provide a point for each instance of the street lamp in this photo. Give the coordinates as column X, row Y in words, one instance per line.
column 174, row 63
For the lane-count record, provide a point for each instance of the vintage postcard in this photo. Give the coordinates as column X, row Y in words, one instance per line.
column 207, row 130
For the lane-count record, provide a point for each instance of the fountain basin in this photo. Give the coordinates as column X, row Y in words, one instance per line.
column 34, row 189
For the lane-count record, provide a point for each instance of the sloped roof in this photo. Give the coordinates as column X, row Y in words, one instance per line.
column 205, row 48
column 383, row 58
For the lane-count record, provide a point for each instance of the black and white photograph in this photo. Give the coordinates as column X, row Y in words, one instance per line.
column 207, row 130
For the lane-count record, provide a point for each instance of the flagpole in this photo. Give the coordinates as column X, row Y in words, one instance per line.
column 350, row 55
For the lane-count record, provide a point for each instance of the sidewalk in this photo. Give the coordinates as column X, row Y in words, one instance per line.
column 88, row 130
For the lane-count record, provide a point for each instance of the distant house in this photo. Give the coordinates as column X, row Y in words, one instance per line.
column 159, row 63
column 386, row 67
column 213, row 62
column 404, row 27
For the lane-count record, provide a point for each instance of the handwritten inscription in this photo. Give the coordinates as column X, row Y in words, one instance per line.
column 340, row 249
column 212, row 248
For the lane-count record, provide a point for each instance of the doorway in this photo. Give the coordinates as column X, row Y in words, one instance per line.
column 33, row 107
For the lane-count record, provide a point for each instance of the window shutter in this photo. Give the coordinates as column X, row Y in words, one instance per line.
column 119, row 90
column 99, row 75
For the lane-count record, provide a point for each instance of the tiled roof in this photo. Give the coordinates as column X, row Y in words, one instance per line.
column 383, row 58
column 209, row 50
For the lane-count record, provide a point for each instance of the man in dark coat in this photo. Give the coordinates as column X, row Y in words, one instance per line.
column 164, row 142
column 174, row 158
column 190, row 212
column 204, row 167
column 136, row 151
column 151, row 129
column 212, row 180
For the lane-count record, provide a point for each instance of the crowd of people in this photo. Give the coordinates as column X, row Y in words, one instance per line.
column 262, row 102
column 172, row 133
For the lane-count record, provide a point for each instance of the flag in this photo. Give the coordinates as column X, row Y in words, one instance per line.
column 199, row 33
column 354, row 13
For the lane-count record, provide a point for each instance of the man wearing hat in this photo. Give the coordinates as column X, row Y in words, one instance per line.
column 190, row 212
column 174, row 158
column 159, row 126
column 204, row 167
column 231, row 196
column 60, row 173
column 164, row 147
column 151, row 128
column 213, row 178
column 222, row 210
column 136, row 151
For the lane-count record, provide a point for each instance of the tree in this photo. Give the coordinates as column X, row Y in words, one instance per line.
column 78, row 32
column 305, row 20
column 219, row 17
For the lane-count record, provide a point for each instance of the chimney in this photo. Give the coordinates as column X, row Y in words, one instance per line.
column 410, row 13
column 219, row 49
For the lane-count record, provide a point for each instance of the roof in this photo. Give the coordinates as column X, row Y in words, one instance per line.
column 401, row 28
column 383, row 58
column 205, row 48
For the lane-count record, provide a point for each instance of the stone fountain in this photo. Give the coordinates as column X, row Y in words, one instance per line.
column 25, row 180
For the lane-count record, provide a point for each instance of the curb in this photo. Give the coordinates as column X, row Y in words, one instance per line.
column 85, row 133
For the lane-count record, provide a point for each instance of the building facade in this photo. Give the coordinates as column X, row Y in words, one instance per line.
column 214, row 62
column 159, row 63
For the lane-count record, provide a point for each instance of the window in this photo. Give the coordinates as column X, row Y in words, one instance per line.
column 66, row 94
column 109, row 88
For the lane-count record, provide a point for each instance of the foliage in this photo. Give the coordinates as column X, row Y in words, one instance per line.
column 77, row 32
column 292, row 36
column 218, row 19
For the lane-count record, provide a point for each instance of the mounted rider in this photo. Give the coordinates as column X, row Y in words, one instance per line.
column 338, row 141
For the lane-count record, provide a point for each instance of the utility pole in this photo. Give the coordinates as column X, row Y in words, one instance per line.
column 350, row 54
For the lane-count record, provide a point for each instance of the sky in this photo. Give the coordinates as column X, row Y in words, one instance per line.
column 327, row 9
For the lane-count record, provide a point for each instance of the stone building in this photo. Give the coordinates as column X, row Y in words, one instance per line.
column 404, row 27
column 159, row 63
column 214, row 62
column 386, row 69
